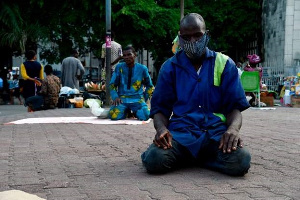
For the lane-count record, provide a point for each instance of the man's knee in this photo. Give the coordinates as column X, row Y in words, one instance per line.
column 112, row 117
column 143, row 114
column 245, row 158
column 242, row 164
column 157, row 160
column 116, row 114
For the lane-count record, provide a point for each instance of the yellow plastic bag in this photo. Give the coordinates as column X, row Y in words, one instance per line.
column 175, row 46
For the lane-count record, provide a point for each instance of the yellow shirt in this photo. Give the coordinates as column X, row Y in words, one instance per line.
column 24, row 73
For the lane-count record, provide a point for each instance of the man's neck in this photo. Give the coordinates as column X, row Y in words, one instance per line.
column 198, row 63
column 131, row 65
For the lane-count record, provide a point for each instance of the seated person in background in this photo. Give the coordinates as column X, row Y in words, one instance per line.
column 127, row 88
column 1, row 84
column 47, row 98
column 239, row 68
column 14, row 89
column 254, row 60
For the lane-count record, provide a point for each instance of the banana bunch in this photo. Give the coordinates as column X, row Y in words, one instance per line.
column 92, row 86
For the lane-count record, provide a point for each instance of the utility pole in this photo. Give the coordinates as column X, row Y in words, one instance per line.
column 108, row 50
column 181, row 9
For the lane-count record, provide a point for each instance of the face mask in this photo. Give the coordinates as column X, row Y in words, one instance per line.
column 194, row 50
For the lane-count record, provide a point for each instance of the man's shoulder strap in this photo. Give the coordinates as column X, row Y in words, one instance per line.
column 220, row 63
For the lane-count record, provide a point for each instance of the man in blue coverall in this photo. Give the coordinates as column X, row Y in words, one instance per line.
column 196, row 107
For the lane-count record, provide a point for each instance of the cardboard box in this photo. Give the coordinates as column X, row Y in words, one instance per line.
column 268, row 100
column 72, row 101
column 295, row 100
column 77, row 102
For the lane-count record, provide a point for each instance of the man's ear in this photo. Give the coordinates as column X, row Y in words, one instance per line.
column 208, row 33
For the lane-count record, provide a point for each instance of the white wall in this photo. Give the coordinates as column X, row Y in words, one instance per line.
column 273, row 22
column 281, row 32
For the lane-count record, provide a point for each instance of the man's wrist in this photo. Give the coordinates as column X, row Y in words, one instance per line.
column 233, row 128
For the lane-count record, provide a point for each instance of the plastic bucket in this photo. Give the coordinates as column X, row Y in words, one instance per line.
column 78, row 102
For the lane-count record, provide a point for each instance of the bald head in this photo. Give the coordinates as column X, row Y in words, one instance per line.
column 192, row 21
column 192, row 27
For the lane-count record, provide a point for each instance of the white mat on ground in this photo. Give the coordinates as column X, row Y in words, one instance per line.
column 77, row 120
column 18, row 195
column 263, row 108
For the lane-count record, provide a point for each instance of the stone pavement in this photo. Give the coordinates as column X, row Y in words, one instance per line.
column 93, row 162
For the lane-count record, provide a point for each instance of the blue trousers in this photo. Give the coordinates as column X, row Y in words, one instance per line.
column 140, row 110
column 157, row 160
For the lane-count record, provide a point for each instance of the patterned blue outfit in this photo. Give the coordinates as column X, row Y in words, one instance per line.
column 134, row 87
column 192, row 103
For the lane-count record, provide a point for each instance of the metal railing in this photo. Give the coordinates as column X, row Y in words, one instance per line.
column 273, row 75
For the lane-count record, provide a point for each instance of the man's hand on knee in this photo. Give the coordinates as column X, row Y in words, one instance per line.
column 230, row 141
column 163, row 139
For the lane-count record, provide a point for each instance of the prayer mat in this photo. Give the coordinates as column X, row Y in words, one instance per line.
column 18, row 195
column 77, row 120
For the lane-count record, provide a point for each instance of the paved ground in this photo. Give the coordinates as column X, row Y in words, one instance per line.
column 6, row 110
column 93, row 162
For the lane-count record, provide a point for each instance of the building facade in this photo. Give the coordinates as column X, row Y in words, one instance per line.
column 281, row 40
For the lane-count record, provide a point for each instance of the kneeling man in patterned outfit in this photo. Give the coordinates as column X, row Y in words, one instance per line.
column 130, row 88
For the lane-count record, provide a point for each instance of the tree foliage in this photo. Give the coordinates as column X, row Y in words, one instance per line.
column 62, row 25
column 231, row 22
column 17, row 31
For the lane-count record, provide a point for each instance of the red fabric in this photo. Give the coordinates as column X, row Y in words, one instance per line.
column 253, row 59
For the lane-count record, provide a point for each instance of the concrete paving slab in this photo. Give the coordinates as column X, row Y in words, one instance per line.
column 93, row 162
